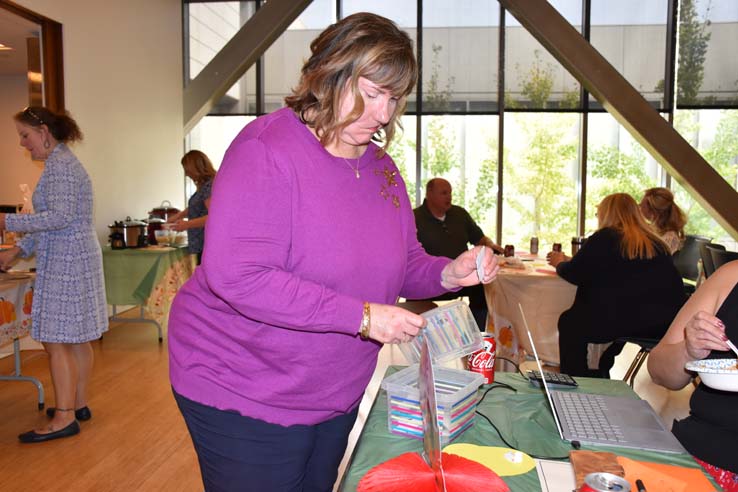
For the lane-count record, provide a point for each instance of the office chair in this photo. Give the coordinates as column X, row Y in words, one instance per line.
column 720, row 258
column 645, row 344
column 686, row 259
column 708, row 266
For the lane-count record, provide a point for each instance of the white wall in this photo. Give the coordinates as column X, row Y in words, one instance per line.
column 123, row 85
column 16, row 165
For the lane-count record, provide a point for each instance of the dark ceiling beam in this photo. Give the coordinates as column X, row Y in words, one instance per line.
column 631, row 110
column 242, row 51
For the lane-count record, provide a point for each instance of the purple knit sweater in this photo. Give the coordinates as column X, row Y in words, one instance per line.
column 267, row 326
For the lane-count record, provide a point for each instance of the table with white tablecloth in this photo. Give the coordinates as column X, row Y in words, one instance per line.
column 16, row 296
column 543, row 296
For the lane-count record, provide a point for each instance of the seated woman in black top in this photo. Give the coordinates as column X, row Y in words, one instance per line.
column 700, row 331
column 627, row 285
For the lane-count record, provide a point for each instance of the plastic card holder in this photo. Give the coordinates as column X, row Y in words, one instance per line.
column 451, row 332
column 456, row 401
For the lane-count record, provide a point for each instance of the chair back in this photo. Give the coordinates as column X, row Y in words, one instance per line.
column 720, row 257
column 686, row 258
column 708, row 266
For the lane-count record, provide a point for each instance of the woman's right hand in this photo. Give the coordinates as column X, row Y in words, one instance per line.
column 704, row 333
column 392, row 324
column 8, row 256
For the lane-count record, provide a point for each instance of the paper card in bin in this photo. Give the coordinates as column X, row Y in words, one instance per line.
column 451, row 333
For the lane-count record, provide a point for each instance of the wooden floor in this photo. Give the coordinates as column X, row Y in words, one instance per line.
column 137, row 440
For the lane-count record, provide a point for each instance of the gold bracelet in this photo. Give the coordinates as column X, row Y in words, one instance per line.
column 366, row 321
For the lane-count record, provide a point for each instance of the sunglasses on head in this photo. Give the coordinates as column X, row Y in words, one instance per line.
column 33, row 115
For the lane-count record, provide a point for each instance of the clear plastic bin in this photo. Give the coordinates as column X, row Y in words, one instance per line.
column 452, row 333
column 456, row 401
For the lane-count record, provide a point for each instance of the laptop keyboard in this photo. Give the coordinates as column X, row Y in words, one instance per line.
column 585, row 415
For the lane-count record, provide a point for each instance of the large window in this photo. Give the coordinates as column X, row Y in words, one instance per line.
column 616, row 163
column 632, row 36
column 551, row 173
column 540, row 178
column 714, row 134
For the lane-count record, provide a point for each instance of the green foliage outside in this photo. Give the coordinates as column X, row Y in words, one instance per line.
column 538, row 183
column 722, row 154
column 612, row 170
column 693, row 42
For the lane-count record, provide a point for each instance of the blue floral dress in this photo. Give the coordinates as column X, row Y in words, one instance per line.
column 196, row 208
column 69, row 303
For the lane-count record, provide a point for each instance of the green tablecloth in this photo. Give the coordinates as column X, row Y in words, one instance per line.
column 131, row 274
column 523, row 418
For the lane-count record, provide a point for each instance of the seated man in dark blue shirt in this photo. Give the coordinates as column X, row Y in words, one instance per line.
column 448, row 230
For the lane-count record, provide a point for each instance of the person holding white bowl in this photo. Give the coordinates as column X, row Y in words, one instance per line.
column 700, row 331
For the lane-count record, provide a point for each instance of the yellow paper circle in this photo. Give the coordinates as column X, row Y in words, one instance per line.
column 493, row 458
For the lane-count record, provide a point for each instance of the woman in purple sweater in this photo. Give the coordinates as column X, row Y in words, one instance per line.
column 310, row 241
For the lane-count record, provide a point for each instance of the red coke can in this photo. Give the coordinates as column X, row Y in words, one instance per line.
column 604, row 482
column 483, row 360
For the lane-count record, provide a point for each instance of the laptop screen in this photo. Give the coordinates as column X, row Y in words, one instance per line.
column 540, row 369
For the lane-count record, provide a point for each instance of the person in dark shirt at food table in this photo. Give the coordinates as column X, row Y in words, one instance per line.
column 199, row 169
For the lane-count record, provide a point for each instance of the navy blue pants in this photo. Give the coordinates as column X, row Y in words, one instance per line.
column 238, row 453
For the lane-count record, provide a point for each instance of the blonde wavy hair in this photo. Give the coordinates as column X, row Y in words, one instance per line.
column 620, row 211
column 360, row 45
column 658, row 206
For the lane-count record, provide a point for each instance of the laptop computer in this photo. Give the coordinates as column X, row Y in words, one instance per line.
column 606, row 420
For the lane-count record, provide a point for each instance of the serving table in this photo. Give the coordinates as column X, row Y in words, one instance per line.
column 16, row 295
column 543, row 296
column 523, row 417
column 145, row 277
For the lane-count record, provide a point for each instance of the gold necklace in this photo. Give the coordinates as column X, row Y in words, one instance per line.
column 354, row 169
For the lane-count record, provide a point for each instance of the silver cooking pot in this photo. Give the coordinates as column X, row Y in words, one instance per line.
column 133, row 234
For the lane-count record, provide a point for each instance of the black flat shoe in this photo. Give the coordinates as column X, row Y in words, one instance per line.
column 80, row 414
column 33, row 436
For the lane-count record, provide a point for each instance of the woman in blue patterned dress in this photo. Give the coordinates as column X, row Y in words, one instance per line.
column 199, row 169
column 69, row 307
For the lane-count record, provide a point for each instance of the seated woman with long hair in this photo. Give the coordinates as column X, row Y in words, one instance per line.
column 627, row 285
column 658, row 207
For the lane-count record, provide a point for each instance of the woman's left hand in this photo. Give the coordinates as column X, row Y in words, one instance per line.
column 180, row 225
column 462, row 272
column 556, row 257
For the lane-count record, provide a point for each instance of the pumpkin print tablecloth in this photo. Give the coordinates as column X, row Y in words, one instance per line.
column 16, row 294
column 543, row 296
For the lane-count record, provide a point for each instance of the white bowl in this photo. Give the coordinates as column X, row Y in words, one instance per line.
column 719, row 374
